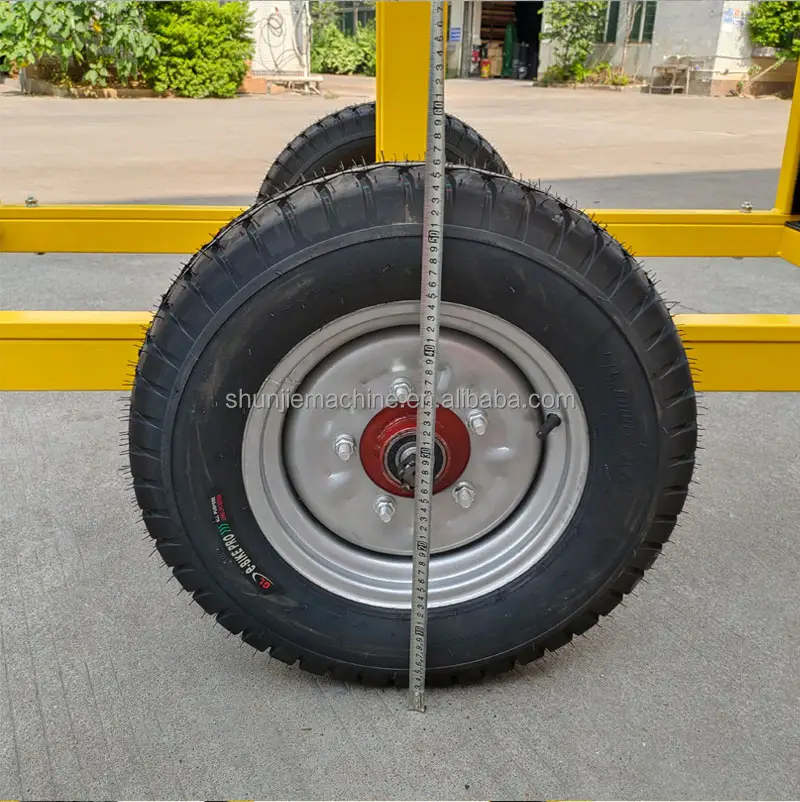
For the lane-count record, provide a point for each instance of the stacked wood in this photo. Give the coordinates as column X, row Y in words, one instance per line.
column 495, row 16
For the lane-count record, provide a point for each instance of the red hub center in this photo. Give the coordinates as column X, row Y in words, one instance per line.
column 390, row 438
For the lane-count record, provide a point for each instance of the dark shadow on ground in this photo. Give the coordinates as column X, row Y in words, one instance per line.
column 711, row 190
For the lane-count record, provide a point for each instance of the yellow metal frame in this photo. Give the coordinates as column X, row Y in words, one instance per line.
column 184, row 229
column 43, row 351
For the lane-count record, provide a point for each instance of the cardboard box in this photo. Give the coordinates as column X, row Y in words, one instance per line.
column 494, row 52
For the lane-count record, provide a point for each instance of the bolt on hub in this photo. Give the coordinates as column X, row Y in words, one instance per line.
column 477, row 422
column 344, row 446
column 464, row 495
column 385, row 509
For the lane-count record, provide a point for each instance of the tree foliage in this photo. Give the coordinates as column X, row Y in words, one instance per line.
column 574, row 28
column 333, row 51
column 323, row 12
column 198, row 48
column 91, row 42
column 204, row 47
column 772, row 23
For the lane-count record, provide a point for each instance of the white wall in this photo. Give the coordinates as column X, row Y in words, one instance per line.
column 686, row 28
column 281, row 37
column 456, row 24
column 734, row 48
column 706, row 30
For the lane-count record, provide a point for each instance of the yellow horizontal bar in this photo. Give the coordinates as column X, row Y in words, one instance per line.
column 743, row 353
column 41, row 351
column 695, row 233
column 111, row 229
column 185, row 229
column 790, row 243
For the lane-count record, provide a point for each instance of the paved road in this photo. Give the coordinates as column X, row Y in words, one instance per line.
column 112, row 684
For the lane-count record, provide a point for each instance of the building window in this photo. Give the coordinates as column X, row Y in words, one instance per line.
column 642, row 21
column 612, row 22
column 355, row 14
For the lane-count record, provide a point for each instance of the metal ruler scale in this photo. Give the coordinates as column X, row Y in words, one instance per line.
column 430, row 302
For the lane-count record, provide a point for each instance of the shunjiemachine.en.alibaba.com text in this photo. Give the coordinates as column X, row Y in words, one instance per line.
column 461, row 399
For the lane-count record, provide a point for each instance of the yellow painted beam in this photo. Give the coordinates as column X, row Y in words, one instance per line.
column 743, row 353
column 69, row 350
column 401, row 88
column 185, row 229
column 42, row 351
column 787, row 179
column 110, row 229
column 695, row 233
column 790, row 245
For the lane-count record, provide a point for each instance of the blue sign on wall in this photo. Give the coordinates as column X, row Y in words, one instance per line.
column 455, row 34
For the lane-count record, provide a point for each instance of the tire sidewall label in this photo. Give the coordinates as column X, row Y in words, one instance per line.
column 235, row 550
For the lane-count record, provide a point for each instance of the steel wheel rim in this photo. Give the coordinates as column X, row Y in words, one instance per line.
column 479, row 567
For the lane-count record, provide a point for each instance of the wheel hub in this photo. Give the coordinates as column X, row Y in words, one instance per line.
column 388, row 449
column 342, row 494
column 316, row 504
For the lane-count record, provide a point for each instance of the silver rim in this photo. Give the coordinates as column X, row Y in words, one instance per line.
column 322, row 513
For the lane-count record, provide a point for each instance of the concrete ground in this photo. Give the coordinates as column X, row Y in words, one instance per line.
column 112, row 684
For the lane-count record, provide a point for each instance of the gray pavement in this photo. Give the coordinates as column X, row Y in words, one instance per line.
column 112, row 684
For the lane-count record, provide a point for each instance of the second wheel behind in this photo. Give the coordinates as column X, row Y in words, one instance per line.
column 347, row 137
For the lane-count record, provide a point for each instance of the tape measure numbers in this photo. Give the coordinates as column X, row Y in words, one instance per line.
column 430, row 303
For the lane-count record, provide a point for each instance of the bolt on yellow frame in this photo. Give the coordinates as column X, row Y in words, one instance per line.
column 94, row 350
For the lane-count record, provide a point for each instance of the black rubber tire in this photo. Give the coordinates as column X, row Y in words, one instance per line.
column 347, row 138
column 289, row 266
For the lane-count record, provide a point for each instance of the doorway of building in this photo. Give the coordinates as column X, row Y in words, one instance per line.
column 513, row 52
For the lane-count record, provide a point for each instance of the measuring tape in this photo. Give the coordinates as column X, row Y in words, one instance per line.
column 430, row 301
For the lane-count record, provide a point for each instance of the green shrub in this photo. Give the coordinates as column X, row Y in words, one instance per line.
column 606, row 74
column 556, row 74
column 204, row 47
column 92, row 42
column 366, row 39
column 333, row 51
column 776, row 24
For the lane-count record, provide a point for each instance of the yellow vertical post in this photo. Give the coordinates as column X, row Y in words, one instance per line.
column 787, row 200
column 403, row 55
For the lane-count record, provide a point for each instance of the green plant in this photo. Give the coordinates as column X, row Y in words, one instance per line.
column 205, row 47
column 556, row 74
column 573, row 28
column 87, row 42
column 772, row 23
column 366, row 40
column 581, row 72
column 333, row 51
column 605, row 74
column 754, row 72
column 323, row 12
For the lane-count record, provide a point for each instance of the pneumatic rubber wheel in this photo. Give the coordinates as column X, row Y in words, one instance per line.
column 346, row 138
column 270, row 420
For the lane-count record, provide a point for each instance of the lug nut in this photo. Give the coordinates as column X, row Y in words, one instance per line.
column 344, row 446
column 385, row 509
column 464, row 494
column 747, row 207
column 31, row 201
column 477, row 422
column 402, row 389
